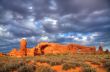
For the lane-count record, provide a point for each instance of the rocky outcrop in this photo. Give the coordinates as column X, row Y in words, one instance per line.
column 23, row 51
column 47, row 48
column 107, row 51
column 31, row 51
column 55, row 48
column 1, row 54
column 23, row 48
column 13, row 52
column 100, row 50
column 76, row 48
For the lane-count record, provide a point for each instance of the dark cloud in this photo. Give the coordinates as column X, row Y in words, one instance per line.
column 80, row 21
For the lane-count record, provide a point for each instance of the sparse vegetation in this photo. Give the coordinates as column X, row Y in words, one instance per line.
column 88, row 69
column 44, row 69
column 67, row 66
column 106, row 65
column 85, row 65
column 9, row 67
column 67, row 61
column 27, row 68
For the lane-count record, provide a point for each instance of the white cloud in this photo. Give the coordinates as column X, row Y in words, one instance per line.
column 30, row 7
column 44, row 38
column 50, row 21
column 98, row 12
column 77, row 39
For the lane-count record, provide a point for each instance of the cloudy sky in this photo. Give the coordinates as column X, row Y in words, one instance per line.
column 85, row 22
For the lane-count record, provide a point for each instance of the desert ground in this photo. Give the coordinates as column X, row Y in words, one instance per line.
column 56, row 63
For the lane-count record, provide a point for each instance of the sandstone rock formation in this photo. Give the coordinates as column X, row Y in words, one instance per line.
column 100, row 50
column 13, row 52
column 55, row 48
column 31, row 51
column 107, row 51
column 52, row 48
column 23, row 48
column 23, row 51
column 1, row 54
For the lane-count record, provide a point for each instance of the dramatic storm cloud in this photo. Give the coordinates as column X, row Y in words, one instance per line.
column 85, row 22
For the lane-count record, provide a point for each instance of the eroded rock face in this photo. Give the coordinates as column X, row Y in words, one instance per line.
column 31, row 51
column 55, row 48
column 51, row 48
column 76, row 48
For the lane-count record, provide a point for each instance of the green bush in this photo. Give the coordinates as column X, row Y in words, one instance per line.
column 42, row 60
column 53, row 63
column 67, row 66
column 85, row 65
column 9, row 67
column 44, row 69
column 88, row 69
column 106, row 64
column 27, row 68
column 107, row 57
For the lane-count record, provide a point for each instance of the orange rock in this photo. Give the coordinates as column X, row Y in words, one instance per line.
column 50, row 48
column 1, row 54
column 23, row 48
column 13, row 52
column 55, row 48
column 46, row 48
column 31, row 52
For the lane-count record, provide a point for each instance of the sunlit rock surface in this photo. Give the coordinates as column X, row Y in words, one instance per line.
column 23, row 48
column 53, row 48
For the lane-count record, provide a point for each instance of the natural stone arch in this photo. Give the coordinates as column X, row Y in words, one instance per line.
column 43, row 47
